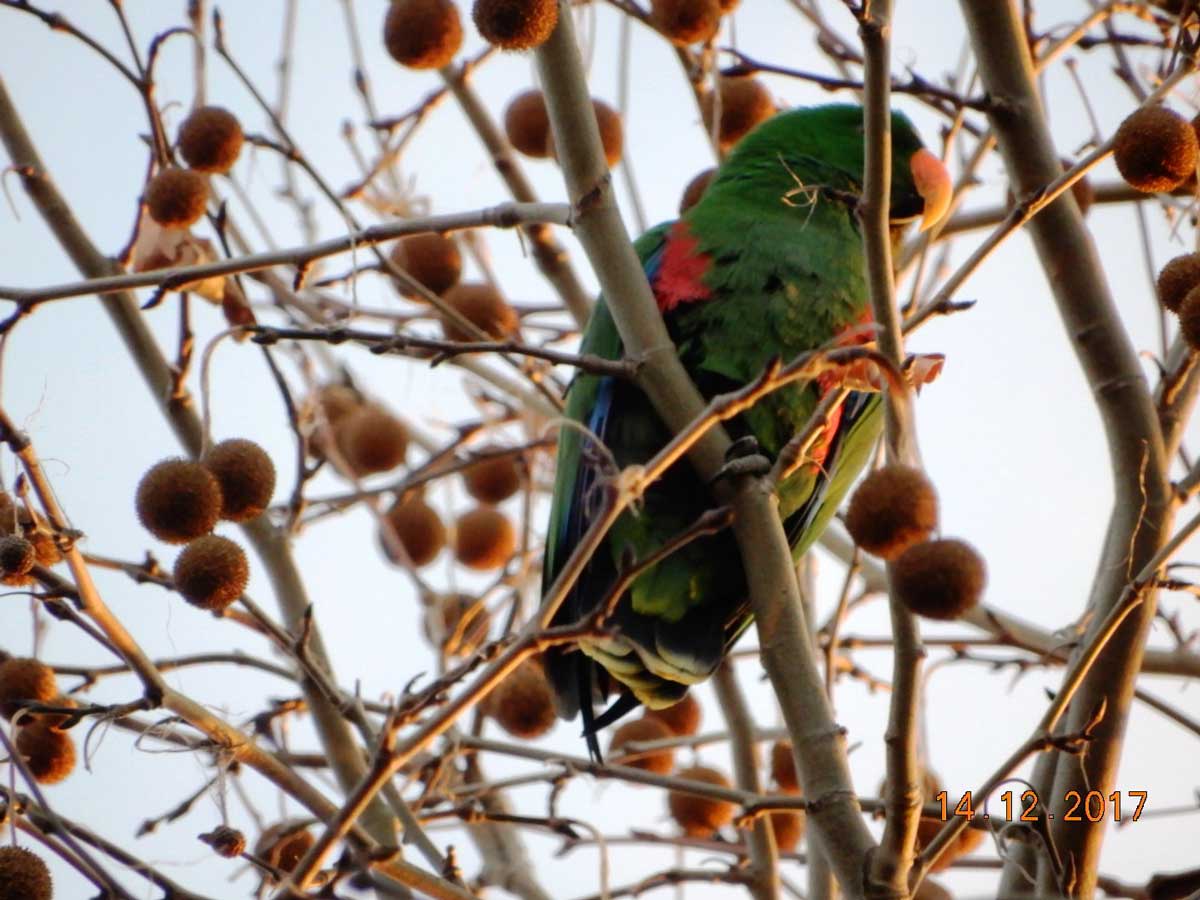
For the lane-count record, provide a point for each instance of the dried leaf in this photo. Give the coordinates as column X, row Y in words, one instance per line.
column 165, row 248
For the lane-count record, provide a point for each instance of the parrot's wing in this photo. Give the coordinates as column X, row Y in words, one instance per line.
column 583, row 461
column 848, row 450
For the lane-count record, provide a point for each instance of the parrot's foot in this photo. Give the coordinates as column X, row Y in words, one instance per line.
column 743, row 457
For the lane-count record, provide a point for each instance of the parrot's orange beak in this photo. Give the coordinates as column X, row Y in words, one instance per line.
column 933, row 184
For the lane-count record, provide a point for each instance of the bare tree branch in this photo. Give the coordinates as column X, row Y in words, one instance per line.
column 1142, row 507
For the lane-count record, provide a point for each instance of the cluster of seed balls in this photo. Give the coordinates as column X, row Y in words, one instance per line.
column 427, row 34
column 698, row 816
column 527, row 126
column 25, row 541
column 435, row 261
column 180, row 502
column 371, row 440
column 523, row 705
column 424, row 34
column 47, row 749
column 280, row 846
column 742, row 101
column 210, row 141
column 1156, row 150
column 892, row 514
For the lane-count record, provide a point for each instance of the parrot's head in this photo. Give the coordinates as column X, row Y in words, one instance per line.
column 822, row 141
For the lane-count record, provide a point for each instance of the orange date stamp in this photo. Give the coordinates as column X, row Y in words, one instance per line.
column 1090, row 807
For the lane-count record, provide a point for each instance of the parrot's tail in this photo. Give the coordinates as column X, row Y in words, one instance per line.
column 592, row 723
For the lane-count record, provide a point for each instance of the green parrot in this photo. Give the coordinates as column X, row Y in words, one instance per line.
column 768, row 264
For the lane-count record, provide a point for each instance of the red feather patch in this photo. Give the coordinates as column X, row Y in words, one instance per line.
column 681, row 273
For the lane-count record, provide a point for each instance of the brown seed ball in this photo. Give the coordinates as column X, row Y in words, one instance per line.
column 463, row 625
column 483, row 307
column 25, row 679
column 422, row 34
column 783, row 767
column 419, row 529
column 745, row 101
column 178, row 500
column 695, row 190
column 246, row 475
column 700, row 816
column 17, row 556
column 48, row 752
column 291, row 849
column 176, row 198
column 527, row 124
column 372, row 440
column 431, row 258
column 211, row 572
column 484, row 539
column 1155, row 149
column 939, row 579
column 523, row 703
column 894, row 508
column 1189, row 318
column 681, row 718
column 685, row 22
column 210, row 139
column 225, row 841
column 966, row 842
column 284, row 846
column 493, row 479
column 327, row 407
column 337, row 401
column 968, row 839
column 637, row 731
column 23, row 875
column 515, row 24
column 612, row 133
column 1176, row 279
column 788, row 825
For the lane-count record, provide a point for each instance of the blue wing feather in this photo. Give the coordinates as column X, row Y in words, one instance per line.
column 592, row 401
